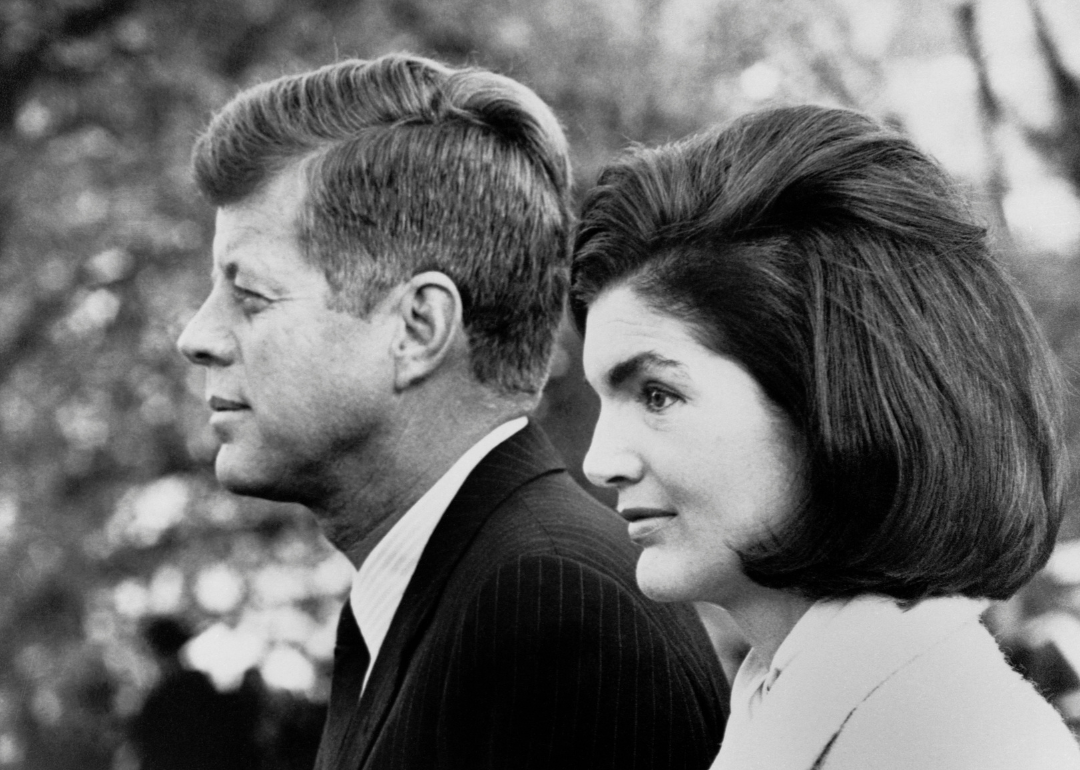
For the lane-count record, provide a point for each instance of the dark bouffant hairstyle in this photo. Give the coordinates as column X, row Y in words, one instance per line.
column 413, row 166
column 839, row 265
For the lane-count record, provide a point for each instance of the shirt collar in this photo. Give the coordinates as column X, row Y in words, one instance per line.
column 756, row 676
column 381, row 580
column 805, row 630
column 837, row 656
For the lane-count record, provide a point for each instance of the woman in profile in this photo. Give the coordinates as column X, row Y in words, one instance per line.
column 826, row 409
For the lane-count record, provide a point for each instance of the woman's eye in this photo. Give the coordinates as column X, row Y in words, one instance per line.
column 656, row 399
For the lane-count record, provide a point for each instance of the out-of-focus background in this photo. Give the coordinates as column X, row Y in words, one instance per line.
column 125, row 571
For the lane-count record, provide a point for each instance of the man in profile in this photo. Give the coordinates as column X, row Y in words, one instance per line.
column 389, row 268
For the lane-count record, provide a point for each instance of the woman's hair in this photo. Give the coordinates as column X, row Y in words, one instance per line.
column 838, row 264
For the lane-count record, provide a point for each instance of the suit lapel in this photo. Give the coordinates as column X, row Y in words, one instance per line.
column 523, row 457
column 865, row 644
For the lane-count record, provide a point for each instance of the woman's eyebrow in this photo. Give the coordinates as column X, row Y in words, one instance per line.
column 633, row 366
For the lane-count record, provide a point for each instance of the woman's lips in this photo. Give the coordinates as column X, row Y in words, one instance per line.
column 643, row 522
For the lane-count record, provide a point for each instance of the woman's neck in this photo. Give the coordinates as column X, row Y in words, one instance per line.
column 767, row 618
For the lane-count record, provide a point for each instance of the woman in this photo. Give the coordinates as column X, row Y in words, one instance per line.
column 825, row 408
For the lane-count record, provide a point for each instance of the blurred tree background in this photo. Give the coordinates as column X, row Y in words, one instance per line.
column 109, row 512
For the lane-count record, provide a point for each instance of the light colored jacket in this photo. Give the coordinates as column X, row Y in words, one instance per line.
column 880, row 688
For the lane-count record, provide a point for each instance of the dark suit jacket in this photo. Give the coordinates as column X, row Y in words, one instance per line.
column 522, row 641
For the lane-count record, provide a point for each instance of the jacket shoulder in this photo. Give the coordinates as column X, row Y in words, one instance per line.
column 551, row 539
column 551, row 514
column 959, row 706
column 544, row 632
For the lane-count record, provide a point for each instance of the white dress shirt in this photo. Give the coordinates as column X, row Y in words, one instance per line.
column 381, row 580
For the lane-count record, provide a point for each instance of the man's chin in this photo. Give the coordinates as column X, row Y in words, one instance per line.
column 262, row 474
column 241, row 480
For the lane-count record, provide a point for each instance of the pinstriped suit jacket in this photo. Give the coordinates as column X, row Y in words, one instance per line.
column 522, row 641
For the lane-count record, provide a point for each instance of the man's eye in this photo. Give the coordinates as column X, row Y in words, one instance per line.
column 249, row 301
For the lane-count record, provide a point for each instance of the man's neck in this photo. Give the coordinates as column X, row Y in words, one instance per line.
column 372, row 498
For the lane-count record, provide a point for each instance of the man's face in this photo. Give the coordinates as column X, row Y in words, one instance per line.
column 300, row 394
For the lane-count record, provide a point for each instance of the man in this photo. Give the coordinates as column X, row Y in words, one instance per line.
column 390, row 263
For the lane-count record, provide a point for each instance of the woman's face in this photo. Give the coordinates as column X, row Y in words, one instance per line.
column 703, row 463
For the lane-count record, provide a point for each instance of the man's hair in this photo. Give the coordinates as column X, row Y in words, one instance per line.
column 839, row 265
column 412, row 166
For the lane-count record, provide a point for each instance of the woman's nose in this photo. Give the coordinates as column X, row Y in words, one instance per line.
column 611, row 460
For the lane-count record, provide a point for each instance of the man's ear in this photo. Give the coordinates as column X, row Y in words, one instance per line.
column 431, row 327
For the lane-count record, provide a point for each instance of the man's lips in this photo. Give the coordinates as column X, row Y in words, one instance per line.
column 645, row 521
column 219, row 404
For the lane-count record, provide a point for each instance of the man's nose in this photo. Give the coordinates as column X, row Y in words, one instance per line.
column 611, row 460
column 205, row 341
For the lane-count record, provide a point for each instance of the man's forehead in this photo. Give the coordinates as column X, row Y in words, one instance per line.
column 229, row 242
column 237, row 225
column 245, row 229
column 263, row 250
column 272, row 211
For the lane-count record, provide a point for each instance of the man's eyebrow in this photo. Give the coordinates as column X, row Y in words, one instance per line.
column 228, row 271
column 631, row 367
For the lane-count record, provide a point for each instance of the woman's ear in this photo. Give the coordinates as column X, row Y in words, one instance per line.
column 431, row 328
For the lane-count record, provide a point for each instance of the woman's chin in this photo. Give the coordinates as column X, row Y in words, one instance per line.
column 674, row 578
column 663, row 585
